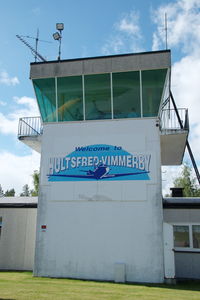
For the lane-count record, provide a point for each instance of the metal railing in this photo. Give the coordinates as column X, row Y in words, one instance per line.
column 30, row 126
column 170, row 122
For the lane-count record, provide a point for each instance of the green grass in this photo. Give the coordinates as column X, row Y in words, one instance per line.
column 23, row 286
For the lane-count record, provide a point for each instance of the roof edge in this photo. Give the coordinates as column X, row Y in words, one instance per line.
column 100, row 57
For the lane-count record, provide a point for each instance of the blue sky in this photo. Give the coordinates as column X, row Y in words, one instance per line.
column 92, row 28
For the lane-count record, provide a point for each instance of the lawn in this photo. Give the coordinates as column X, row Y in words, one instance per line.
column 23, row 286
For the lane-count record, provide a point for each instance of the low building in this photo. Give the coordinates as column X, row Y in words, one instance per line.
column 184, row 215
column 17, row 232
column 18, row 227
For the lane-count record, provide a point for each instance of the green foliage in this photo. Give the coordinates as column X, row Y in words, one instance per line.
column 10, row 193
column 1, row 191
column 36, row 177
column 25, row 191
column 187, row 182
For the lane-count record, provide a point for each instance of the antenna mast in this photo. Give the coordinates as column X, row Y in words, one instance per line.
column 34, row 51
column 166, row 31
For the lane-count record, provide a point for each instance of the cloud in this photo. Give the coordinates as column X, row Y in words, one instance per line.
column 126, row 36
column 27, row 107
column 183, row 36
column 130, row 25
column 183, row 23
column 36, row 11
column 2, row 103
column 185, row 85
column 15, row 171
column 5, row 79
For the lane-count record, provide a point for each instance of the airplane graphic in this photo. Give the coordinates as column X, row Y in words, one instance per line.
column 100, row 172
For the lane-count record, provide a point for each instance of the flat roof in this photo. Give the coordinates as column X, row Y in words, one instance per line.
column 101, row 64
column 181, row 202
column 31, row 202
column 18, row 202
column 99, row 57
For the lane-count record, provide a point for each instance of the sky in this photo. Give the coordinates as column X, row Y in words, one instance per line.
column 92, row 28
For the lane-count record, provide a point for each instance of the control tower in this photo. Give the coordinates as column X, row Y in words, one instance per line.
column 105, row 130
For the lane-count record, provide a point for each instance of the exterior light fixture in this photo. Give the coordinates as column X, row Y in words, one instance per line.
column 58, row 36
column 59, row 26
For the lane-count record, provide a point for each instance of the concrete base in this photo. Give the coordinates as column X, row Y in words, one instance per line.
column 170, row 281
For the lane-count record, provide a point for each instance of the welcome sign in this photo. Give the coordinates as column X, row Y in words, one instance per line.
column 99, row 162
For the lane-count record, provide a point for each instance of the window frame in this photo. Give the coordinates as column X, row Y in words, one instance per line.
column 1, row 225
column 167, row 79
column 190, row 248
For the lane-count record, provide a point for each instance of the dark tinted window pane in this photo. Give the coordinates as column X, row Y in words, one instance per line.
column 0, row 225
column 70, row 98
column 46, row 97
column 152, row 88
column 97, row 97
column 196, row 236
column 126, row 95
column 181, row 236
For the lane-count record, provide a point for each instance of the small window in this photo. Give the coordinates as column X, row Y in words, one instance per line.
column 196, row 236
column 181, row 236
column 0, row 225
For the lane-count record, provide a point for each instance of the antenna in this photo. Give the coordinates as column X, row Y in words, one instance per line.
column 34, row 51
column 166, row 31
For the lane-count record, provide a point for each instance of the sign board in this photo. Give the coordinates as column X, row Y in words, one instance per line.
column 99, row 162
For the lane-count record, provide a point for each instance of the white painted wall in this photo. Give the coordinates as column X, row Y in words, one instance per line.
column 168, row 240
column 17, row 241
column 93, row 225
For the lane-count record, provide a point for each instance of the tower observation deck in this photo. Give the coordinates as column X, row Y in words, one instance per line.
column 131, row 86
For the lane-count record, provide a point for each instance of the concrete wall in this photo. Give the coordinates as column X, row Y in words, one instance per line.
column 187, row 262
column 184, row 215
column 96, row 65
column 92, row 226
column 187, row 265
column 17, row 241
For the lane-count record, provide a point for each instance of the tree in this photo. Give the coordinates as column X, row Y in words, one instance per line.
column 1, row 191
column 10, row 193
column 187, row 182
column 26, row 191
column 36, row 177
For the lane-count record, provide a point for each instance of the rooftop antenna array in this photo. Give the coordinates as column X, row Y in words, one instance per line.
column 58, row 37
column 35, row 52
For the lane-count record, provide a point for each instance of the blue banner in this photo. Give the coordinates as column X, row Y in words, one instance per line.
column 99, row 162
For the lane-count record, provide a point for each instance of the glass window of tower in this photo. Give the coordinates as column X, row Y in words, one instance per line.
column 70, row 98
column 97, row 97
column 126, row 95
column 152, row 88
column 46, row 96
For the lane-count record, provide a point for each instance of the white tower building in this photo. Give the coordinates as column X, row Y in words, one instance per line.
column 106, row 130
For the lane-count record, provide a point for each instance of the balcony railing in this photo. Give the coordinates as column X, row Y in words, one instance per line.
column 170, row 122
column 30, row 126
